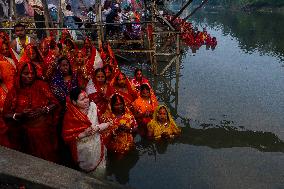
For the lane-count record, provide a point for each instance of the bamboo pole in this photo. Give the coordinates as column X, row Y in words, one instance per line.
column 154, row 47
column 10, row 17
column 181, row 10
column 46, row 16
column 193, row 12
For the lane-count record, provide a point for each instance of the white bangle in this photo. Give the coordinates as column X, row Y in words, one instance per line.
column 14, row 117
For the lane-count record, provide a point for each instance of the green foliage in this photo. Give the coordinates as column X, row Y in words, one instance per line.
column 244, row 3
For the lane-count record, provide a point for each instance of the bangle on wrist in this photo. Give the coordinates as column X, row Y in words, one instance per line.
column 14, row 117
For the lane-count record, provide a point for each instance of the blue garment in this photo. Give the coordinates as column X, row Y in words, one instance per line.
column 58, row 86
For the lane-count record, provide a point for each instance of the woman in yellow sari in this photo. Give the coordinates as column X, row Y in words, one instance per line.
column 162, row 125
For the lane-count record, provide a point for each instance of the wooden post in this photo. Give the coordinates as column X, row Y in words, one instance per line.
column 203, row 3
column 181, row 10
column 99, row 21
column 11, row 17
column 46, row 16
column 59, row 18
column 154, row 45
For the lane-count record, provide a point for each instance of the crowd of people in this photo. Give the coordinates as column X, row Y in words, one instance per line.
column 57, row 98
column 191, row 36
column 83, row 14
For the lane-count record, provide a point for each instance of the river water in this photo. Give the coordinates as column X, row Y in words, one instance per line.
column 230, row 105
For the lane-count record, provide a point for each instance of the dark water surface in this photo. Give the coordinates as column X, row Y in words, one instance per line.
column 230, row 103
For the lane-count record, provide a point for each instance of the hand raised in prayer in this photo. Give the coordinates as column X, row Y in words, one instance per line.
column 31, row 114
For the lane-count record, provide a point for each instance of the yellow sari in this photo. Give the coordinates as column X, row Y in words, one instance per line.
column 158, row 130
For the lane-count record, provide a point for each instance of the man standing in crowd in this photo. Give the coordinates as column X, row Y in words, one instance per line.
column 20, row 42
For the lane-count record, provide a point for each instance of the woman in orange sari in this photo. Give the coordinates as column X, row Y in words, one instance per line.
column 123, row 87
column 7, row 64
column 144, row 107
column 118, row 137
column 81, row 131
column 30, row 112
column 32, row 54
column 162, row 125
column 4, row 140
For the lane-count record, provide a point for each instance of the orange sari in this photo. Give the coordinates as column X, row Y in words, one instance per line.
column 117, row 141
column 143, row 111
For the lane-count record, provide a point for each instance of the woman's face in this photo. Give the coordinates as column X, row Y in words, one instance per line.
column 64, row 67
column 100, row 77
column 43, row 48
column 80, row 58
column 88, row 43
column 83, row 100
column 138, row 75
column 145, row 93
column 118, row 107
column 108, row 72
column 162, row 115
column 5, row 50
column 121, row 80
column 28, row 75
column 31, row 53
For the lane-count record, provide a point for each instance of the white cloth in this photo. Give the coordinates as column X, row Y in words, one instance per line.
column 90, row 88
column 90, row 148
column 98, row 63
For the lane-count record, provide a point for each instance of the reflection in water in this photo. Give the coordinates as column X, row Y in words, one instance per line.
column 119, row 167
column 253, row 31
column 216, row 138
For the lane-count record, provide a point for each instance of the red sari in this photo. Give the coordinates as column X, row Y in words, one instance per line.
column 4, row 140
column 75, row 122
column 40, row 132
column 100, row 95
column 129, row 95
column 38, row 62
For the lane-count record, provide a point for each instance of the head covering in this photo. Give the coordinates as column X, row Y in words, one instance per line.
column 58, row 86
column 170, row 119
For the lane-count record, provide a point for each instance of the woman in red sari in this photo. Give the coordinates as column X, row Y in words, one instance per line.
column 138, row 79
column 144, row 107
column 50, row 60
column 81, row 131
column 32, row 54
column 4, row 140
column 30, row 112
column 123, row 87
column 69, row 49
column 79, row 67
column 99, row 91
column 93, row 60
column 118, row 137
column 108, row 56
column 109, row 73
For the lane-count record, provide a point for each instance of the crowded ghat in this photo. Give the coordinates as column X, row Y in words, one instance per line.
column 73, row 105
